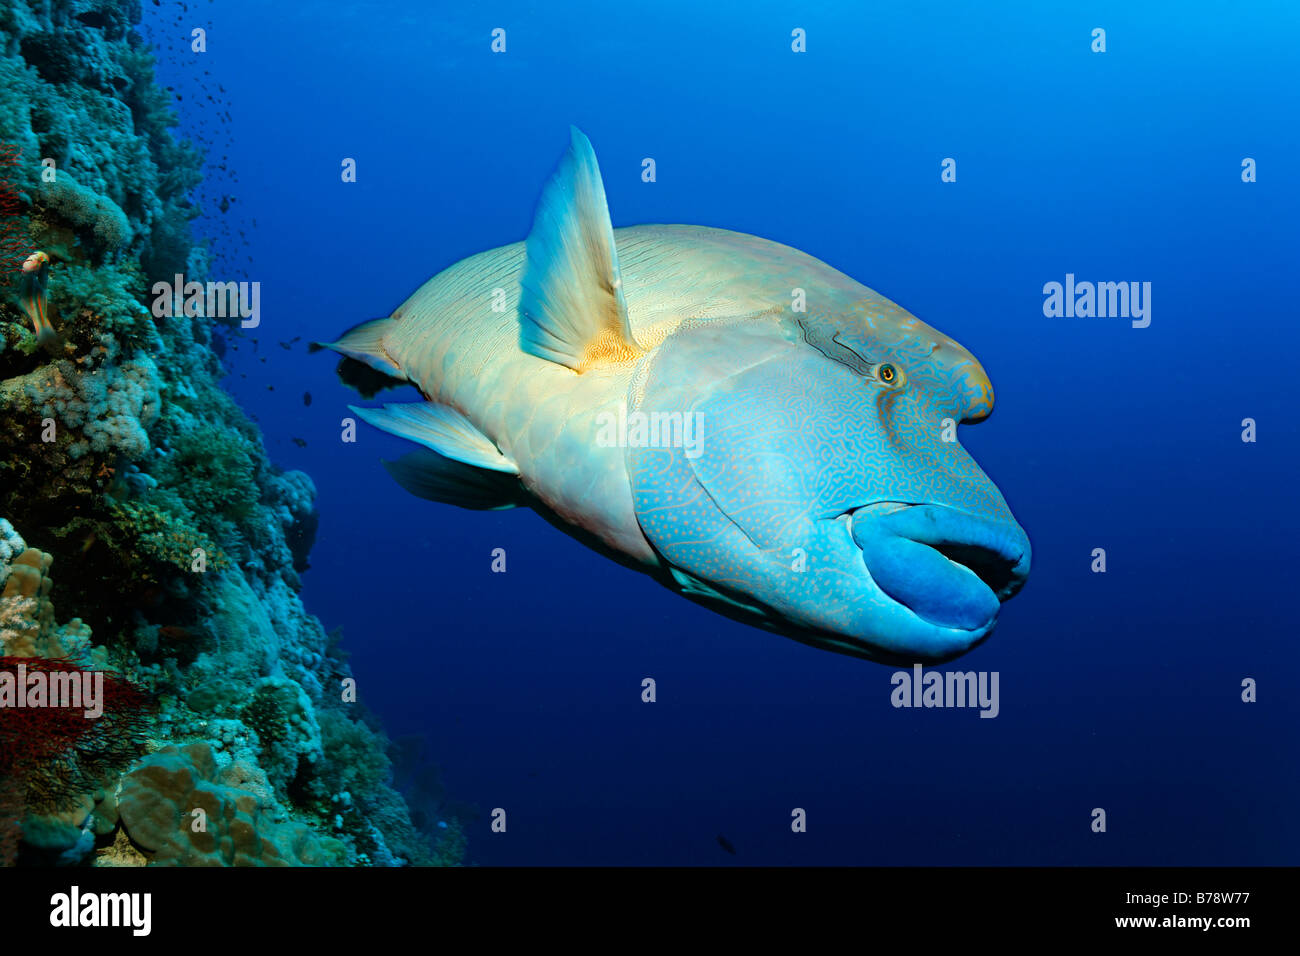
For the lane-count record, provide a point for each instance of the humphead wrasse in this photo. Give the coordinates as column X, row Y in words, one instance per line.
column 756, row 430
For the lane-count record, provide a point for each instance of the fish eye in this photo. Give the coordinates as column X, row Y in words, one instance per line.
column 889, row 374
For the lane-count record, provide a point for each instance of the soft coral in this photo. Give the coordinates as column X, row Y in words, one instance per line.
column 50, row 754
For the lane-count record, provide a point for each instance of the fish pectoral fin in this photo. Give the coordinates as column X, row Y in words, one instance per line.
column 441, row 428
column 697, row 590
column 429, row 475
column 571, row 306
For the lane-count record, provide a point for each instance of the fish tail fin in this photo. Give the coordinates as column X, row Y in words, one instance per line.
column 366, row 364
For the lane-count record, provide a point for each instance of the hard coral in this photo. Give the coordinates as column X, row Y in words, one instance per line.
column 99, row 311
column 27, row 627
column 218, row 467
column 169, row 538
column 233, row 826
column 11, row 546
column 97, row 221
column 285, row 722
column 106, row 409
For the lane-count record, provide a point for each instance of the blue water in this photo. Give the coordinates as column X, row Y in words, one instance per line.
column 1118, row 690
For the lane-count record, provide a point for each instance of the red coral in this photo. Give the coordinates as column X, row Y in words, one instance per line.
column 15, row 238
column 48, row 754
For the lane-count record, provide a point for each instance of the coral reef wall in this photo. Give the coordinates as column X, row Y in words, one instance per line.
column 129, row 477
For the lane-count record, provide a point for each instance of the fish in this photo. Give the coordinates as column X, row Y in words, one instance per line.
column 32, row 285
column 757, row 431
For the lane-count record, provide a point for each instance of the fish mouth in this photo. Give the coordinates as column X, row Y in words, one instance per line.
column 950, row 568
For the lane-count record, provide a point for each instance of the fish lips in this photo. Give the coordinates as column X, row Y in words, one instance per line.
column 950, row 568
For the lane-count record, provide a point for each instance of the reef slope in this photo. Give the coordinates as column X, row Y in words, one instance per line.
column 129, row 476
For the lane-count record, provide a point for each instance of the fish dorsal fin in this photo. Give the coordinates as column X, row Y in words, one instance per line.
column 441, row 428
column 571, row 306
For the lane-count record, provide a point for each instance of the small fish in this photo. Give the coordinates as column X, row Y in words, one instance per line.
column 32, row 295
column 306, row 398
column 726, row 844
column 300, row 443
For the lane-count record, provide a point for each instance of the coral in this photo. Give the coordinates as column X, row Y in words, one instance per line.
column 112, row 407
column 390, row 829
column 11, row 546
column 17, row 85
column 66, row 833
column 121, row 852
column 26, row 612
column 354, row 755
column 51, row 757
column 107, row 409
column 27, row 627
column 55, row 752
column 449, row 847
column 120, row 456
column 218, row 468
column 245, row 642
column 96, row 219
column 157, row 805
column 283, row 718
column 99, row 309
column 166, row 537
column 293, row 496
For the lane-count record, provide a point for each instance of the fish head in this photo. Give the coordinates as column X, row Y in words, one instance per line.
column 822, row 492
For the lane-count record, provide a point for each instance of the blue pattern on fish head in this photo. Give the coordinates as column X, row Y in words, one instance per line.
column 823, row 493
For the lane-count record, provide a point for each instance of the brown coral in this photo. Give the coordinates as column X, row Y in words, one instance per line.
column 175, row 811
column 27, row 627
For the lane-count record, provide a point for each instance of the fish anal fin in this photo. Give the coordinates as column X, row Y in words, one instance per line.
column 429, row 475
